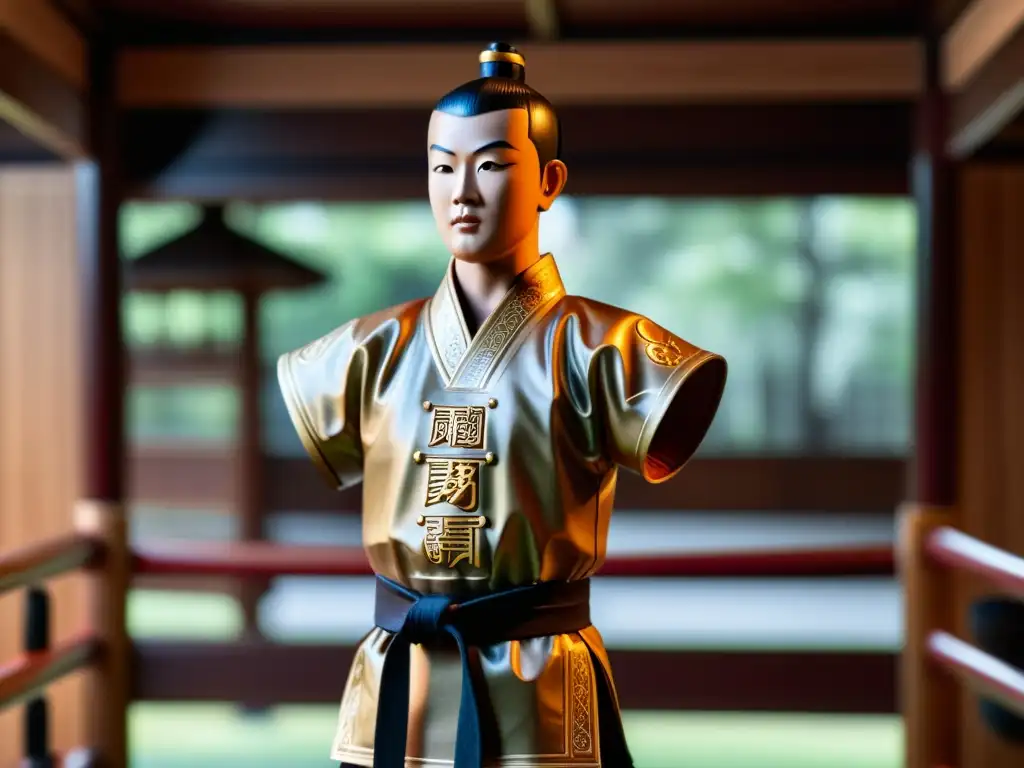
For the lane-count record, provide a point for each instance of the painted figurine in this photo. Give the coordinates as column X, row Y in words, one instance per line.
column 487, row 424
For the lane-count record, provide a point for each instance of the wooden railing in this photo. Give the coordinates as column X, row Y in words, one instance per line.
column 246, row 671
column 26, row 678
column 935, row 660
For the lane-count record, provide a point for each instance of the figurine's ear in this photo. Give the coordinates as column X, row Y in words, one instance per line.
column 552, row 182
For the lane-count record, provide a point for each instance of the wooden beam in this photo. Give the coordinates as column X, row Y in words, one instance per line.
column 665, row 680
column 680, row 149
column 42, row 76
column 369, row 76
column 164, row 367
column 39, row 102
column 941, row 15
column 332, row 183
column 542, row 19
column 201, row 478
column 83, row 15
column 44, row 31
column 978, row 33
column 990, row 100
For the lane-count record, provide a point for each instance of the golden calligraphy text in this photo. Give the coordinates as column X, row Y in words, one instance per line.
column 460, row 426
column 451, row 539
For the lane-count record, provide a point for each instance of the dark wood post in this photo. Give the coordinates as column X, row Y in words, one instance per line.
column 101, row 511
column 929, row 696
column 933, row 469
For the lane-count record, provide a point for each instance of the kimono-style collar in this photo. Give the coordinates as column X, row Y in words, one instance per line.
column 466, row 362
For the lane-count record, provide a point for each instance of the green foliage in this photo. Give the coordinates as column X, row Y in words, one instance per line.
column 736, row 276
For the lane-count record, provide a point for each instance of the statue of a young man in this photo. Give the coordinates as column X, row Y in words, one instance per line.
column 487, row 424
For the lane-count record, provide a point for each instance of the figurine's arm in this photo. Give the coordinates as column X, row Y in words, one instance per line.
column 321, row 385
column 658, row 396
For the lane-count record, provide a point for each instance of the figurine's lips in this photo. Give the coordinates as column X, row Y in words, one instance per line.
column 470, row 220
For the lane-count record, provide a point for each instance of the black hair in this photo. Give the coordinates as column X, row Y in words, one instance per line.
column 502, row 85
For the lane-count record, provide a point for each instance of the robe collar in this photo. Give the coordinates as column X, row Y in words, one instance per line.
column 466, row 362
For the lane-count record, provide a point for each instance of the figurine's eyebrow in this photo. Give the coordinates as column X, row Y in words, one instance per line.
column 495, row 145
column 439, row 148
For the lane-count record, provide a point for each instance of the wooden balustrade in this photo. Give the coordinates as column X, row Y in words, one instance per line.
column 934, row 660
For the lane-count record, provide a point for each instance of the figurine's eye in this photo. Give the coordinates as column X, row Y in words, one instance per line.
column 442, row 169
column 490, row 165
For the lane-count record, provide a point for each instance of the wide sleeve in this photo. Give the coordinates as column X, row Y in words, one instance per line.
column 321, row 384
column 657, row 396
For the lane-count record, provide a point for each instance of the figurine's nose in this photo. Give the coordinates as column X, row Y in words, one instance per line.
column 466, row 191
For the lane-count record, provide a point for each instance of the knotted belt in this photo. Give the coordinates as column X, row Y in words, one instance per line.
column 538, row 610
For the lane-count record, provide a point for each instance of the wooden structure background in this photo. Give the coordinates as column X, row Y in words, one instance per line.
column 992, row 390
column 163, row 100
column 212, row 257
column 40, row 412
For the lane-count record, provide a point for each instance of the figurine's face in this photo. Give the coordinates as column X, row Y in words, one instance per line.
column 486, row 184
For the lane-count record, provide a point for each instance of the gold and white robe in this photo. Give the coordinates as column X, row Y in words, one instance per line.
column 489, row 462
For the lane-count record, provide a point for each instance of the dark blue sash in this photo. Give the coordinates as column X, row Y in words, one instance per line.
column 539, row 610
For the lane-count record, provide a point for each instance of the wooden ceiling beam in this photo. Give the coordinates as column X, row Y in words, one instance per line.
column 680, row 149
column 44, row 31
column 388, row 76
column 42, row 76
column 983, row 70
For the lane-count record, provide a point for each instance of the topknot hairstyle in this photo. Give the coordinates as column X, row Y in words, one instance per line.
column 502, row 85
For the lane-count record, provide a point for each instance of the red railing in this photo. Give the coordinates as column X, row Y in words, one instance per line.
column 260, row 559
column 933, row 658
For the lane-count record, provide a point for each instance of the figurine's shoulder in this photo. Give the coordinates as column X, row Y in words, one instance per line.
column 394, row 323
column 602, row 325
column 401, row 319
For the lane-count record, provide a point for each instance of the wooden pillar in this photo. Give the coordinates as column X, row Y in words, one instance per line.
column 991, row 413
column 40, row 452
column 928, row 696
column 101, row 509
column 250, row 453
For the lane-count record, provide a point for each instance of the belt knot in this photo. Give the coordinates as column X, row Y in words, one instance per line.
column 427, row 618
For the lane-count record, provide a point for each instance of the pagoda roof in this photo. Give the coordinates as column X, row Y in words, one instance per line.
column 213, row 257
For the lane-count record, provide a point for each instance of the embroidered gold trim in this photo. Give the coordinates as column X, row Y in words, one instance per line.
column 536, row 287
column 448, row 330
column 581, row 740
column 468, row 364
column 351, row 701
